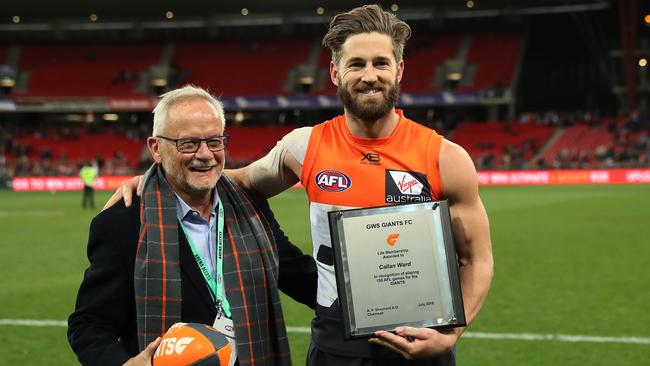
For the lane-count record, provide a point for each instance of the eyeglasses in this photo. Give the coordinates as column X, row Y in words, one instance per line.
column 192, row 145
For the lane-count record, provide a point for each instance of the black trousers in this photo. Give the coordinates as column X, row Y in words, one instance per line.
column 88, row 199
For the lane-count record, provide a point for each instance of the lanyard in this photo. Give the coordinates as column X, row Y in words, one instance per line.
column 223, row 307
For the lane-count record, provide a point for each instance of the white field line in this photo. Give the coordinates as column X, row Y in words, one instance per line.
column 557, row 337
column 479, row 335
column 34, row 323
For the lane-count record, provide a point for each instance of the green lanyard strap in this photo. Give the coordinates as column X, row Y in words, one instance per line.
column 216, row 286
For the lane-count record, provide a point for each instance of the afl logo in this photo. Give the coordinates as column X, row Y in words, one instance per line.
column 332, row 181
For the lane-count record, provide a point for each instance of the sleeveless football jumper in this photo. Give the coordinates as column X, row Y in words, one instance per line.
column 341, row 171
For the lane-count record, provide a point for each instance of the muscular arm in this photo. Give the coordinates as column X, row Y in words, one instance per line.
column 269, row 182
column 280, row 169
column 469, row 224
column 472, row 236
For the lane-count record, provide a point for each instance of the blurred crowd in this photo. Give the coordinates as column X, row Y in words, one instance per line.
column 628, row 146
column 28, row 159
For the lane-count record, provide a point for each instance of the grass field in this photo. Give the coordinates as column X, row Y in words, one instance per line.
column 569, row 260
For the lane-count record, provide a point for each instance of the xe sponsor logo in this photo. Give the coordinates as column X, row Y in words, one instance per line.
column 392, row 239
column 370, row 159
column 333, row 181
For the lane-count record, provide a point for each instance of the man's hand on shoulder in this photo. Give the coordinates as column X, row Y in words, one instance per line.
column 144, row 358
column 125, row 192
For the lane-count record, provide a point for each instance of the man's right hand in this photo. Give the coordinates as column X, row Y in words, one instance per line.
column 144, row 358
column 125, row 191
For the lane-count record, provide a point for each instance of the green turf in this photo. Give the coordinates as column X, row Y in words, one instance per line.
column 568, row 260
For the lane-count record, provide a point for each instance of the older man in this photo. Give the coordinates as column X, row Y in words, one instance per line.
column 195, row 249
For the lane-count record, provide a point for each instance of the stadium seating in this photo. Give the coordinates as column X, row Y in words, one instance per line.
column 425, row 53
column 324, row 65
column 250, row 143
column 85, row 70
column 495, row 55
column 491, row 145
column 3, row 54
column 422, row 56
column 84, row 146
column 578, row 139
column 481, row 138
column 247, row 144
column 242, row 67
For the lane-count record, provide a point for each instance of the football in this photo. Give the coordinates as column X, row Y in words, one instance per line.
column 193, row 344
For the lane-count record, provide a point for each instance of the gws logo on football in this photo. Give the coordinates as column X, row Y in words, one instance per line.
column 333, row 181
column 169, row 346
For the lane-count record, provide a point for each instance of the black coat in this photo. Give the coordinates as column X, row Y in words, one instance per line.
column 102, row 329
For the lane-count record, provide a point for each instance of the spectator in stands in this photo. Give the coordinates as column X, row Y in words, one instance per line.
column 129, row 297
column 367, row 67
column 124, row 75
column 47, row 168
column 541, row 164
column 65, row 167
column 5, row 174
column 634, row 121
column 486, row 161
column 644, row 151
column 562, row 159
column 88, row 174
column 22, row 166
column 175, row 76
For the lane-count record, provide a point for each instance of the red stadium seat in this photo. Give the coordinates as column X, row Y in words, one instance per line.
column 85, row 70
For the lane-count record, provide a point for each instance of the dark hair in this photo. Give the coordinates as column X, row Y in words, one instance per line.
column 366, row 19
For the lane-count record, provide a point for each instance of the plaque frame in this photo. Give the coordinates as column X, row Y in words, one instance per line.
column 448, row 271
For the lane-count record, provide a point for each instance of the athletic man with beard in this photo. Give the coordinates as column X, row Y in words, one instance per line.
column 373, row 155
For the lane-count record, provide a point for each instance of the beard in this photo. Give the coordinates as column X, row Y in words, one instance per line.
column 369, row 110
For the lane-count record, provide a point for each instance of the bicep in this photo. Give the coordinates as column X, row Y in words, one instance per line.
column 468, row 216
column 471, row 230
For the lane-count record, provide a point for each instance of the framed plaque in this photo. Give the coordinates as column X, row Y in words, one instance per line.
column 396, row 266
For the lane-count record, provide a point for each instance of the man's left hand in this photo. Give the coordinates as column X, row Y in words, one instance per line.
column 416, row 343
column 145, row 357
